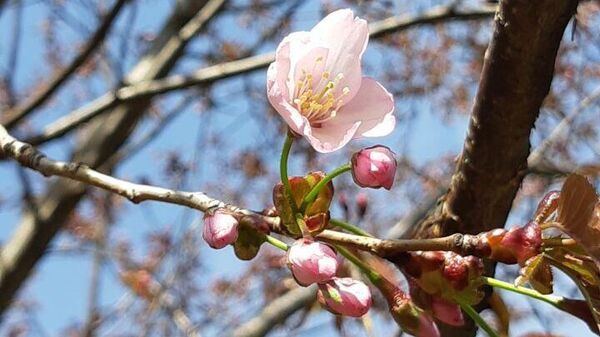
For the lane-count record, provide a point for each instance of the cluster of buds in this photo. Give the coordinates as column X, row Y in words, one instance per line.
column 310, row 261
column 446, row 274
column 315, row 262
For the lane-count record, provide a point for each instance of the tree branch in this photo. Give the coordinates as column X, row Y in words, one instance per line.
column 277, row 312
column 15, row 115
column 30, row 157
column 103, row 138
column 516, row 77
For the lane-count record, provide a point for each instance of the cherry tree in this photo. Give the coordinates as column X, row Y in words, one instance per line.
column 284, row 138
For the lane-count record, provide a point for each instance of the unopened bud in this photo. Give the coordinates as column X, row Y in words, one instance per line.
column 447, row 312
column 362, row 202
column 345, row 296
column 312, row 262
column 220, row 228
column 516, row 245
column 413, row 319
column 343, row 202
column 374, row 167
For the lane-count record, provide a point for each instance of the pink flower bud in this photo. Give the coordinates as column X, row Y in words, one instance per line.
column 345, row 296
column 220, row 229
column 362, row 202
column 411, row 318
column 449, row 313
column 374, row 167
column 312, row 262
column 343, row 202
column 427, row 327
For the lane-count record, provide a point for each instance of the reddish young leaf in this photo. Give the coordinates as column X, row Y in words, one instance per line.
column 579, row 214
column 537, row 272
column 585, row 274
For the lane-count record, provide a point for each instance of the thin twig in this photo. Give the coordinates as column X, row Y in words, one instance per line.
column 16, row 114
column 30, row 157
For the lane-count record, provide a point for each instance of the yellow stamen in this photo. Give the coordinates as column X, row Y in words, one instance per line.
column 322, row 106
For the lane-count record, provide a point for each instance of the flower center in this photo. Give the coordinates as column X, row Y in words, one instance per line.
column 316, row 105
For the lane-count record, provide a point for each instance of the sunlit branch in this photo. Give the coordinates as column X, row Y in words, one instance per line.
column 459, row 243
column 30, row 157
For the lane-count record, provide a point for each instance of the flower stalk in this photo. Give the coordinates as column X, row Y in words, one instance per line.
column 476, row 317
column 276, row 243
column 312, row 195
column 550, row 299
column 283, row 170
column 350, row 227
column 373, row 276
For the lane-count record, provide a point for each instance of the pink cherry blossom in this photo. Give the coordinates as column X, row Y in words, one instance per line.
column 374, row 167
column 345, row 296
column 316, row 84
column 220, row 229
column 312, row 262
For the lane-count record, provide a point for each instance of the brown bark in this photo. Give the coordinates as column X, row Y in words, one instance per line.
column 516, row 77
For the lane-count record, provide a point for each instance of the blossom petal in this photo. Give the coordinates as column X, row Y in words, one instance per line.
column 346, row 37
column 288, row 53
column 329, row 138
column 373, row 106
column 312, row 63
column 342, row 33
column 292, row 117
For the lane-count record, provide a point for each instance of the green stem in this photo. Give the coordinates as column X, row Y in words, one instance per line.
column 373, row 276
column 550, row 299
column 302, row 224
column 312, row 195
column 283, row 171
column 349, row 227
column 466, row 307
column 276, row 243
